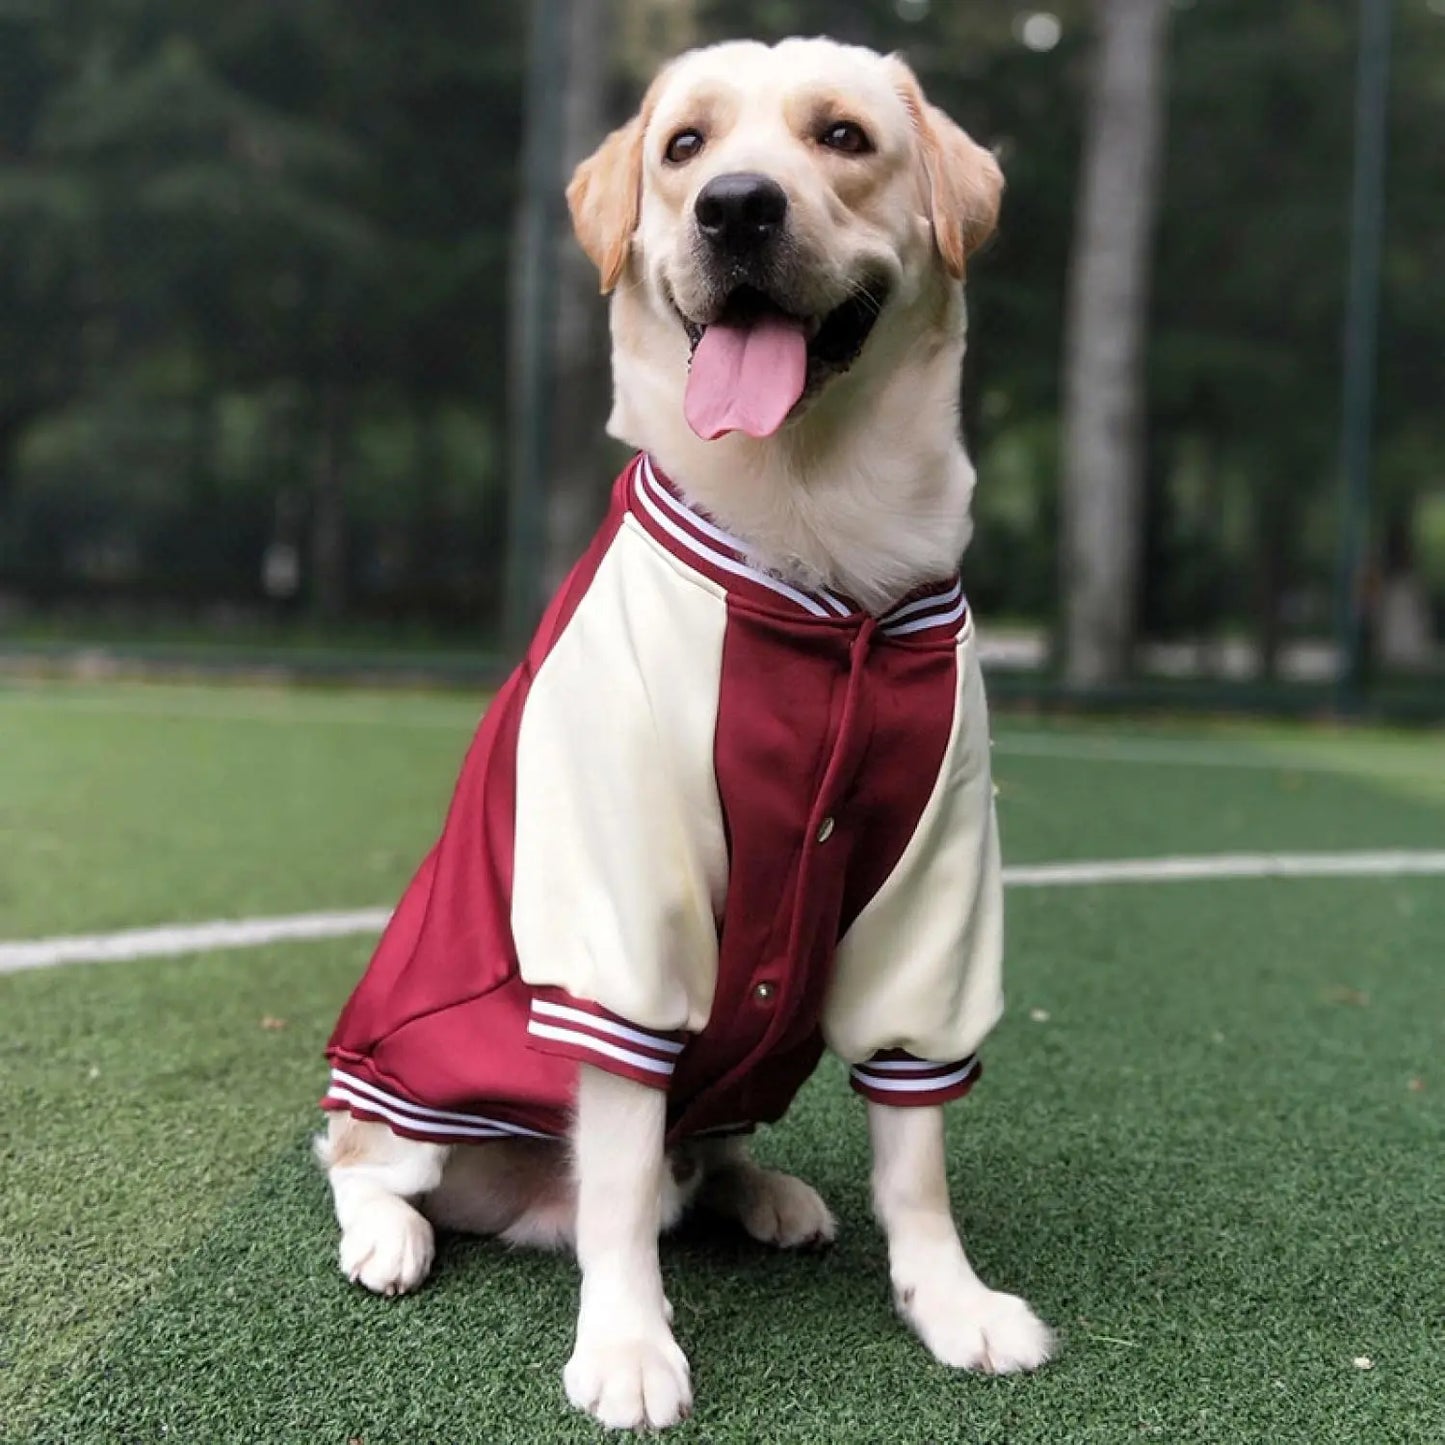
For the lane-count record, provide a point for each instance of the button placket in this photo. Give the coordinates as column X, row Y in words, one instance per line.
column 846, row 744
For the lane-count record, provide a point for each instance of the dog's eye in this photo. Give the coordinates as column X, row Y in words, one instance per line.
column 683, row 147
column 847, row 137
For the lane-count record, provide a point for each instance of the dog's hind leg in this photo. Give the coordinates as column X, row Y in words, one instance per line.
column 376, row 1178
column 773, row 1207
column 519, row 1189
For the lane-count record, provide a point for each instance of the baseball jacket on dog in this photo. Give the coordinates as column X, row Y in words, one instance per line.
column 712, row 824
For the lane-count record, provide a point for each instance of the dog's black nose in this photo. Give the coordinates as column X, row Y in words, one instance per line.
column 741, row 212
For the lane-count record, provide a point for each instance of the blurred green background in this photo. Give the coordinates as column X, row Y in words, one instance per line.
column 264, row 326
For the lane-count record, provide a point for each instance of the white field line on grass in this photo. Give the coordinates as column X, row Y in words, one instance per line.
column 183, row 938
column 173, row 939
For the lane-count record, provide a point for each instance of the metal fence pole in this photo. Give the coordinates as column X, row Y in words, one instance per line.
column 1360, row 344
column 533, row 306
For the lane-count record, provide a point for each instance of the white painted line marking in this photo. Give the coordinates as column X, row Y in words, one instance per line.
column 175, row 940
column 172, row 940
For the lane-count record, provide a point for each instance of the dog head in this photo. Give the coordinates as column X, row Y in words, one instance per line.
column 768, row 217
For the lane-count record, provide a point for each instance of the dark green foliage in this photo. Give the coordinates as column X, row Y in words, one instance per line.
column 258, row 243
column 254, row 265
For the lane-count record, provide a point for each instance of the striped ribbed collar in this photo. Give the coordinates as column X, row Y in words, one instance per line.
column 702, row 544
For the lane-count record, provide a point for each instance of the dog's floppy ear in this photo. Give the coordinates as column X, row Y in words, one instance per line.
column 605, row 196
column 965, row 184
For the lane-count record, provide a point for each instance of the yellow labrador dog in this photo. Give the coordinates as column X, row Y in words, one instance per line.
column 784, row 233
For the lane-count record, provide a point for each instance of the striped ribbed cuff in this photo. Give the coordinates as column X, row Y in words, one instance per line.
column 897, row 1078
column 587, row 1032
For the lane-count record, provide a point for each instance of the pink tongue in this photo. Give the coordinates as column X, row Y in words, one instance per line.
column 746, row 378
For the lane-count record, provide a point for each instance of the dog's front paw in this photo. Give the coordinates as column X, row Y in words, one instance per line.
column 629, row 1382
column 387, row 1246
column 780, row 1210
column 972, row 1328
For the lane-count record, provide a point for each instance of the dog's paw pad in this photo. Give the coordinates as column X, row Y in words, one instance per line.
column 387, row 1247
column 784, row 1211
column 985, row 1331
column 630, row 1384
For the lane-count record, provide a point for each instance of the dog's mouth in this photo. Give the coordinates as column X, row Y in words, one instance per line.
column 755, row 362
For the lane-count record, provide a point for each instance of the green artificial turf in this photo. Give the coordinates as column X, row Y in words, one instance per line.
column 1208, row 1146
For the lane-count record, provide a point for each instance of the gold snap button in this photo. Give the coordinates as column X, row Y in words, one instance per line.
column 825, row 830
column 764, row 992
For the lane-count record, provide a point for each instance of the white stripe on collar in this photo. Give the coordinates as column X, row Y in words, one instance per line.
column 656, row 498
column 670, row 514
column 923, row 604
column 930, row 619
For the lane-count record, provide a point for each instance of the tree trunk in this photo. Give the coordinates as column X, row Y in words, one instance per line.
column 576, row 481
column 560, row 375
column 1102, row 463
column 578, row 477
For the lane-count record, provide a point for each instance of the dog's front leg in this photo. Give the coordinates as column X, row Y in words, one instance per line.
column 961, row 1320
column 626, row 1368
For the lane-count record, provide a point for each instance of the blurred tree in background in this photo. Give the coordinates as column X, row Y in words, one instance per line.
column 258, row 265
column 254, row 263
column 1101, row 462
